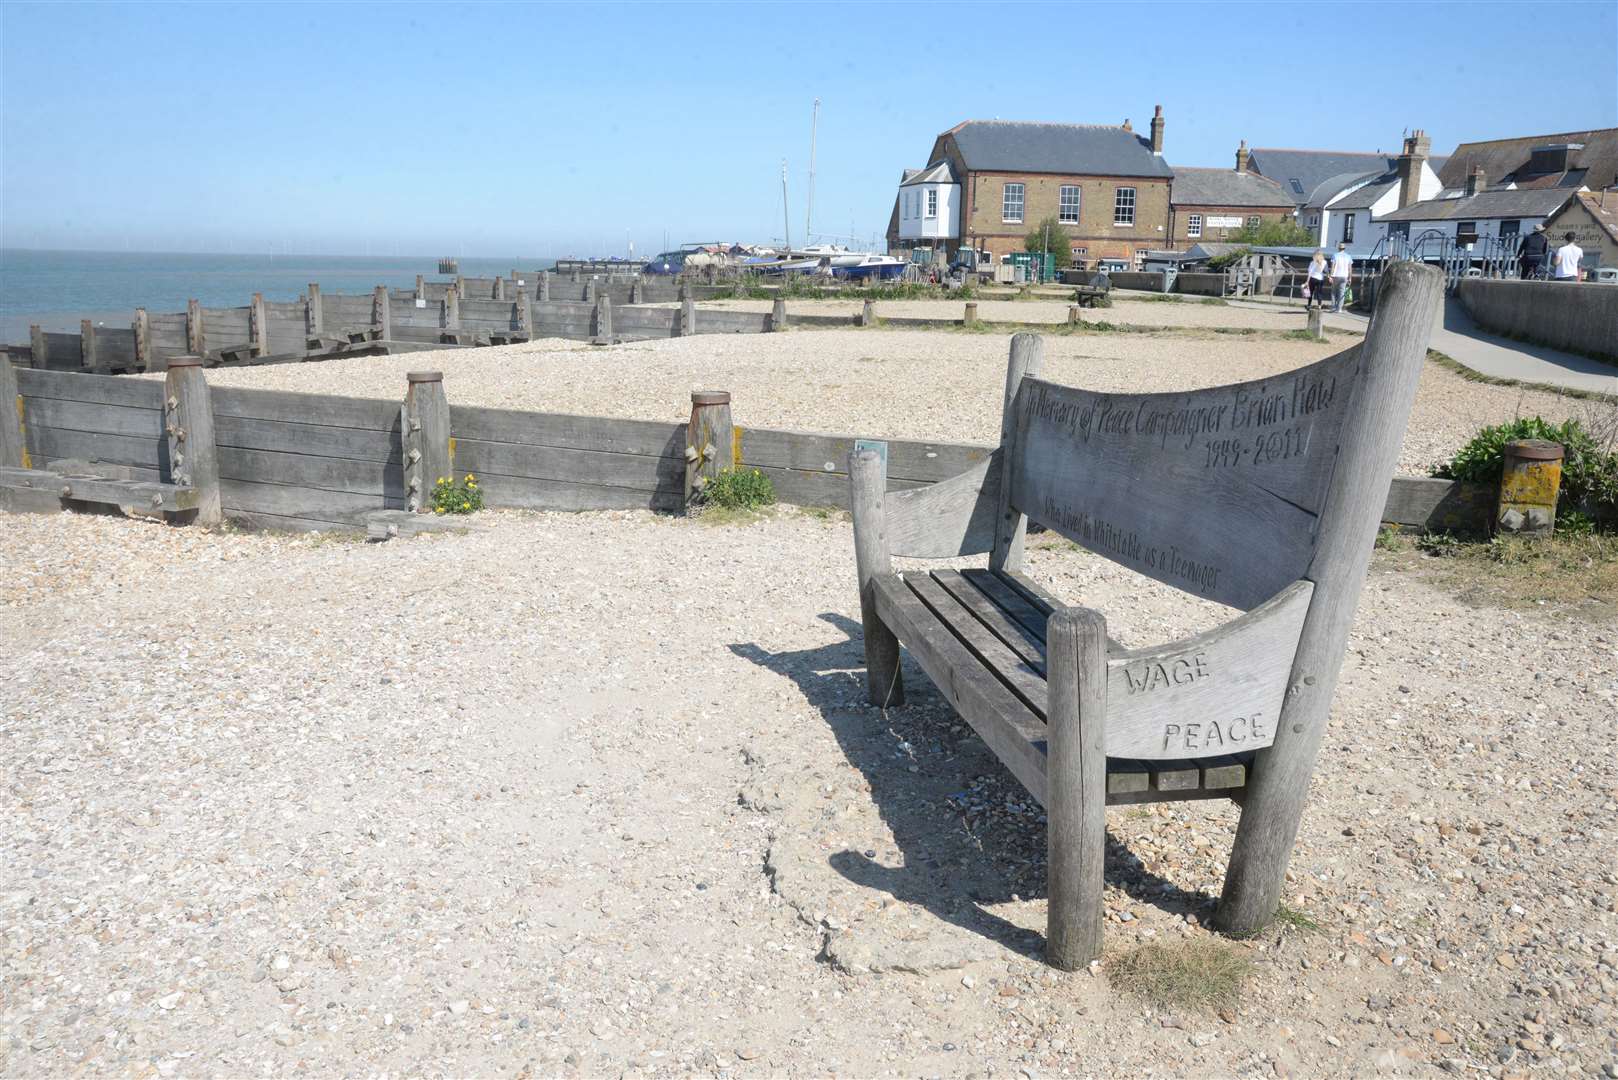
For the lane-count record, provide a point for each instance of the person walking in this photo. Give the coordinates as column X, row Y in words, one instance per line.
column 1316, row 284
column 1342, row 268
column 1567, row 260
column 1531, row 257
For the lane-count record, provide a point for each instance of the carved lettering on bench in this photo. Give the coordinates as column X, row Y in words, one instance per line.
column 1231, row 735
column 1158, row 674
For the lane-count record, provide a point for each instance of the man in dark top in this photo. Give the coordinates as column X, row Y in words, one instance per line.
column 1532, row 254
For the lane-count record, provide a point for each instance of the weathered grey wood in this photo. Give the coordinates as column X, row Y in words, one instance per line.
column 601, row 332
column 1216, row 491
column 1028, row 646
column 592, row 467
column 420, row 292
column 381, row 313
column 46, row 444
column 12, row 448
column 425, row 426
column 1218, row 692
column 1016, row 735
column 92, row 488
column 948, row 518
column 1011, row 524
column 1439, row 505
column 537, row 493
column 188, row 422
column 523, row 312
column 312, row 470
column 687, row 324
column 88, row 416
column 1315, row 330
column 884, row 685
column 867, row 313
column 452, row 309
column 544, row 286
column 258, row 326
column 815, row 452
column 87, row 346
column 1076, row 784
column 1021, row 677
column 291, row 501
column 499, row 291
column 970, row 315
column 610, row 434
column 778, row 315
column 320, row 440
column 287, row 406
column 314, row 323
column 710, row 440
column 196, row 337
column 1369, row 439
column 1073, row 315
column 144, row 359
column 38, row 351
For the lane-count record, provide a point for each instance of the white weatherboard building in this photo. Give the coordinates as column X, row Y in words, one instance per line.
column 929, row 206
column 1350, row 208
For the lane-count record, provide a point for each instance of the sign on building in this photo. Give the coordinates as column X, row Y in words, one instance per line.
column 1224, row 222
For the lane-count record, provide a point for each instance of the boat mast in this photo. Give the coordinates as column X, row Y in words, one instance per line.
column 809, row 210
column 786, row 216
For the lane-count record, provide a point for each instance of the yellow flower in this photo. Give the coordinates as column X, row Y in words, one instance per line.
column 438, row 509
column 470, row 478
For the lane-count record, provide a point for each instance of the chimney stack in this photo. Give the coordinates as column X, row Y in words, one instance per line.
column 1157, row 131
column 1409, row 167
column 1127, row 125
column 1241, row 157
column 1476, row 180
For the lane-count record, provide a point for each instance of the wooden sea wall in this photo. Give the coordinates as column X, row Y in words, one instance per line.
column 312, row 461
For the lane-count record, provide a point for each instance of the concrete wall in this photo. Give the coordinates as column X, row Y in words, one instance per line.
column 1129, row 279
column 1578, row 317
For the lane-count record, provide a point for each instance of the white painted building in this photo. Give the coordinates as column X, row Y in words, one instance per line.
column 929, row 207
column 1351, row 209
column 1483, row 215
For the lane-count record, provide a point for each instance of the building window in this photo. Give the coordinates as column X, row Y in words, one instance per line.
column 1297, row 185
column 1252, row 222
column 1068, row 208
column 1400, row 229
column 1123, row 207
column 1348, row 228
column 1314, row 221
column 1011, row 203
column 932, row 202
column 1509, row 228
column 1193, row 225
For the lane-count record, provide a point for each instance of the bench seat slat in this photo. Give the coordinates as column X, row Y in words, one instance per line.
column 1019, row 676
column 1010, row 600
column 1017, row 637
column 1016, row 735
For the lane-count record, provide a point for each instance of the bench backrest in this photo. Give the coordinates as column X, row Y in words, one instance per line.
column 1217, row 492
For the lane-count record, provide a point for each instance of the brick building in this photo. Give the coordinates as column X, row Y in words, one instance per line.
column 989, row 182
column 1212, row 205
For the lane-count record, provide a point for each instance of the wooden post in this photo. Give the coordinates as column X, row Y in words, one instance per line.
column 868, row 482
column 710, row 446
column 1315, row 329
column 500, row 288
column 87, row 346
column 867, row 313
column 1073, row 318
column 1027, row 355
column 144, row 360
column 778, row 315
column 590, row 290
column 1529, row 483
column 421, row 288
column 603, row 334
column 687, row 324
column 684, row 290
column 381, row 314
column 12, row 447
column 460, row 285
column 452, row 309
column 635, row 294
column 193, row 458
column 314, row 320
column 524, row 314
column 38, row 350
column 1076, row 786
column 258, row 326
column 971, row 314
column 196, row 335
column 424, row 425
column 1392, row 354
column 544, row 286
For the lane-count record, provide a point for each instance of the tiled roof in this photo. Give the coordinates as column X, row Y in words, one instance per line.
column 1071, row 149
column 1606, row 216
column 933, row 174
column 1362, row 197
column 1519, row 203
column 1332, row 186
column 1226, row 187
column 1312, row 167
column 1507, row 159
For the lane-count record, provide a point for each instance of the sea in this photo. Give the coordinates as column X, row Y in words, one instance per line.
column 58, row 289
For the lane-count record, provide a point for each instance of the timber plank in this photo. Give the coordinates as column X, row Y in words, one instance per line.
column 577, row 466
column 810, row 451
column 368, row 413
column 530, row 493
column 1028, row 646
column 46, row 444
column 950, row 518
column 989, row 651
column 98, row 389
column 1012, row 601
column 324, row 440
column 315, row 504
column 307, row 470
column 648, row 438
column 88, row 416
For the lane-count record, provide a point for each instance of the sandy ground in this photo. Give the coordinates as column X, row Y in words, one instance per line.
column 561, row 797
column 881, row 383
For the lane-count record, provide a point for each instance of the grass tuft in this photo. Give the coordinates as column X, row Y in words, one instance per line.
column 1196, row 972
column 1297, row 920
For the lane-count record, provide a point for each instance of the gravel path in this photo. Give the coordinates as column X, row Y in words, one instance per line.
column 1149, row 313
column 557, row 797
column 890, row 384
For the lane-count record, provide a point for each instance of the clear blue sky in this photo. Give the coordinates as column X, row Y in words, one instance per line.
column 544, row 130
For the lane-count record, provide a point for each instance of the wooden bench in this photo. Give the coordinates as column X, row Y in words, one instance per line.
column 1264, row 496
column 1089, row 295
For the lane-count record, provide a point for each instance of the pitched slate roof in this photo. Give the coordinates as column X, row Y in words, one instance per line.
column 1333, row 186
column 1362, row 197
column 1506, row 160
column 1605, row 216
column 1518, row 203
column 1071, row 149
column 1313, row 167
column 933, row 174
column 1226, row 187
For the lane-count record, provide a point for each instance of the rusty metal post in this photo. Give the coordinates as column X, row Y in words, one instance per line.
column 1530, row 478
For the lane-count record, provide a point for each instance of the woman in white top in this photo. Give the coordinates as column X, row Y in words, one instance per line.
column 1317, row 279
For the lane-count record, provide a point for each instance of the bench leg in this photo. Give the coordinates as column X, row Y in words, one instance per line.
column 868, row 481
column 1076, row 786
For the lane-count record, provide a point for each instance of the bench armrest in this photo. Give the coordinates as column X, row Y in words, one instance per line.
column 952, row 517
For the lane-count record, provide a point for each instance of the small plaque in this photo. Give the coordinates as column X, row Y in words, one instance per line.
column 420, row 302
column 879, row 445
